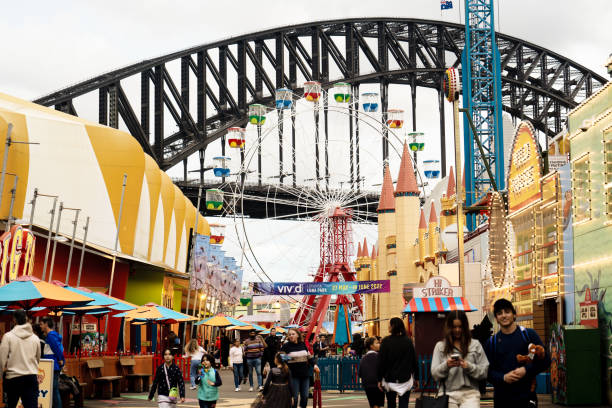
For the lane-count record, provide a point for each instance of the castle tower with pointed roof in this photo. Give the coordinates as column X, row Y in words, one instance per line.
column 407, row 206
column 387, row 264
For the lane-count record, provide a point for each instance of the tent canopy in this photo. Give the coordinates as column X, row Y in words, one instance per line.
column 439, row 304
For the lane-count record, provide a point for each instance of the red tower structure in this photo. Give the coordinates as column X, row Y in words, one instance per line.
column 335, row 241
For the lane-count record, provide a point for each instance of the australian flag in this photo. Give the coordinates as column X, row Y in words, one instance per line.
column 446, row 4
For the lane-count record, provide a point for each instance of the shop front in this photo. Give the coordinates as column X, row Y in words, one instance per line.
column 427, row 311
column 535, row 226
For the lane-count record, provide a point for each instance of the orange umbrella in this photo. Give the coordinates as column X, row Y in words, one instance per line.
column 27, row 292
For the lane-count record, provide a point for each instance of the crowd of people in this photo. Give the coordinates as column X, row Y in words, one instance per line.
column 462, row 363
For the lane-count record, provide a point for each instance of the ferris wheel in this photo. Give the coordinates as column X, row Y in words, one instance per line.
column 298, row 161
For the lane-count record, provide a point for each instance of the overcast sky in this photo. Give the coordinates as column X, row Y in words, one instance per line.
column 48, row 45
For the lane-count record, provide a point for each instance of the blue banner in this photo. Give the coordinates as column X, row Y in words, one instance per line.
column 320, row 288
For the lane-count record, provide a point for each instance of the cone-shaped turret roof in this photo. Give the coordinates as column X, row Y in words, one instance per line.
column 373, row 251
column 406, row 181
column 422, row 223
column 365, row 248
column 450, row 188
column 432, row 214
column 359, row 253
column 387, row 199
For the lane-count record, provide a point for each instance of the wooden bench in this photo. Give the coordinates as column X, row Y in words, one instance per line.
column 103, row 386
column 134, row 382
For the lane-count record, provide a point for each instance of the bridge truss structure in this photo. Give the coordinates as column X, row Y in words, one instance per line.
column 178, row 104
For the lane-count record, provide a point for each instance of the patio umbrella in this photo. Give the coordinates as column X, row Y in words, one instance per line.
column 248, row 327
column 220, row 320
column 279, row 330
column 157, row 313
column 154, row 313
column 27, row 292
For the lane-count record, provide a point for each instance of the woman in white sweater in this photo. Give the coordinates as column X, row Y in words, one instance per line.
column 459, row 362
column 235, row 360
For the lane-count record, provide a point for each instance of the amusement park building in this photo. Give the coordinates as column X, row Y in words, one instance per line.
column 83, row 164
column 590, row 138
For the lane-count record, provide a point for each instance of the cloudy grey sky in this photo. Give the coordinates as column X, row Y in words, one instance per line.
column 48, row 45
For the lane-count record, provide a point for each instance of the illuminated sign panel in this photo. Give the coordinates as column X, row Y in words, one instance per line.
column 525, row 169
column 16, row 254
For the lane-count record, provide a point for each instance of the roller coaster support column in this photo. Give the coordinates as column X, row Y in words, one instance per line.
column 482, row 98
column 356, row 110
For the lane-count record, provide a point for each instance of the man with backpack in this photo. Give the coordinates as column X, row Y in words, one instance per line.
column 512, row 381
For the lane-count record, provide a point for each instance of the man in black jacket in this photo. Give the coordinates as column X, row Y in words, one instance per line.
column 368, row 372
column 272, row 347
column 397, row 364
column 320, row 348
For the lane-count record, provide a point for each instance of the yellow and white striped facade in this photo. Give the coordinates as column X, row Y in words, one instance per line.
column 83, row 163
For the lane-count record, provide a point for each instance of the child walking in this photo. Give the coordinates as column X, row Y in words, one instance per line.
column 209, row 382
column 368, row 372
column 277, row 391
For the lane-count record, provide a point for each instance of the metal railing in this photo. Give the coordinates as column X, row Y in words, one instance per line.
column 342, row 374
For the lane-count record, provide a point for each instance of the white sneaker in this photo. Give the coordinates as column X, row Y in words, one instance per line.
column 237, row 389
column 192, row 388
column 260, row 388
column 251, row 389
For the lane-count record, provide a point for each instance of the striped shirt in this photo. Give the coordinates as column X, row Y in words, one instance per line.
column 254, row 348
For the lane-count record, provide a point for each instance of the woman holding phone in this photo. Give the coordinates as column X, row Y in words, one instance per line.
column 459, row 362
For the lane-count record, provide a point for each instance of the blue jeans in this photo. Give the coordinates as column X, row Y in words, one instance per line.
column 300, row 386
column 237, row 374
column 193, row 372
column 255, row 363
column 403, row 400
column 57, row 400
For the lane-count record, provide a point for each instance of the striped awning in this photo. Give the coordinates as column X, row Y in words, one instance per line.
column 439, row 304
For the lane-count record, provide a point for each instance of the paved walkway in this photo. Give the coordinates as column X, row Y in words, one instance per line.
column 231, row 399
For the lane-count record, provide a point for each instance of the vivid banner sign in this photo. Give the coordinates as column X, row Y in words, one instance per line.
column 321, row 288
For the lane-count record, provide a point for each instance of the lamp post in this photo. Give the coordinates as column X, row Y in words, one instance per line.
column 110, row 286
column 13, row 192
column 59, row 218
column 193, row 247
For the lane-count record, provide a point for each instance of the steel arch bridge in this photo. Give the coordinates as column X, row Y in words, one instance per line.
column 537, row 84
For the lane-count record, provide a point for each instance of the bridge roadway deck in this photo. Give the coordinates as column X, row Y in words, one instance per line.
column 269, row 200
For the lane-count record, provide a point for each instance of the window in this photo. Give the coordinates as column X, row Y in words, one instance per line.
column 608, row 178
column 581, row 184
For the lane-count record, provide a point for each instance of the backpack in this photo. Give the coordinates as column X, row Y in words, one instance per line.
column 524, row 335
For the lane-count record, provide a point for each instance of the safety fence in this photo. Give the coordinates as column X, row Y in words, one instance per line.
column 184, row 364
column 342, row 373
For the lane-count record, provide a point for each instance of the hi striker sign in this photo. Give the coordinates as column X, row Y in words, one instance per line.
column 437, row 286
